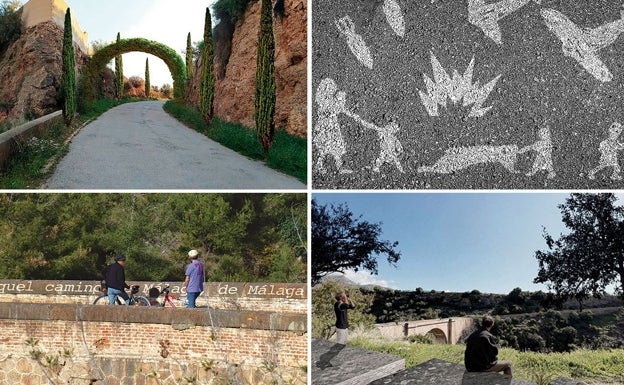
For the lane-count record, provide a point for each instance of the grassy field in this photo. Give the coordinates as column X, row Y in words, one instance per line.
column 591, row 366
column 288, row 153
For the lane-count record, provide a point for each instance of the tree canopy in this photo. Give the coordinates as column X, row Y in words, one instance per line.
column 590, row 257
column 341, row 241
column 242, row 237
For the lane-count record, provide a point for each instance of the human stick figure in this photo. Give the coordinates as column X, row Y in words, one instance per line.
column 609, row 153
column 327, row 134
column 543, row 158
column 391, row 148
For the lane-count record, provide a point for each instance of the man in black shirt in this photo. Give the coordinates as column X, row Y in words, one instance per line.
column 481, row 352
column 115, row 278
column 343, row 303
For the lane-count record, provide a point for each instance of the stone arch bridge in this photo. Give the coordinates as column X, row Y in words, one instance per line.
column 443, row 331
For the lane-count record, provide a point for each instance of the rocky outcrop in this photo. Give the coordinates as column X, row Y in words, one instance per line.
column 31, row 70
column 236, row 71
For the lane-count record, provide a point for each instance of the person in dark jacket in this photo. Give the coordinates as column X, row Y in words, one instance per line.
column 481, row 353
column 115, row 278
column 343, row 303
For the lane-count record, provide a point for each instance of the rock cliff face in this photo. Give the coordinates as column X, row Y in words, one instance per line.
column 30, row 73
column 236, row 72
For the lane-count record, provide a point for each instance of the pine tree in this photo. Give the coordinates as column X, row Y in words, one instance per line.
column 147, row 79
column 68, row 80
column 119, row 83
column 206, row 90
column 264, row 102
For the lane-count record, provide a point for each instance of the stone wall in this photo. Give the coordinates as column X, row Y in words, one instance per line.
column 17, row 136
column 40, row 11
column 452, row 328
column 76, row 343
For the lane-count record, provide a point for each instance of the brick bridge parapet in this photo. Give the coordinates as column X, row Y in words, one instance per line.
column 261, row 328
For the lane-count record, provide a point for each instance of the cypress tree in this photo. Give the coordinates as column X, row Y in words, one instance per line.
column 147, row 79
column 190, row 68
column 119, row 84
column 68, row 80
column 264, row 101
column 206, row 87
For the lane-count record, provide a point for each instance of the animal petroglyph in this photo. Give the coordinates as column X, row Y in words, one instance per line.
column 459, row 158
column 609, row 153
column 355, row 42
column 486, row 16
column 394, row 16
column 582, row 44
column 456, row 88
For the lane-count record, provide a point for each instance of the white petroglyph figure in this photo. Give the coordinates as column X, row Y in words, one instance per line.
column 394, row 16
column 327, row 135
column 459, row 158
column 456, row 88
column 583, row 44
column 355, row 42
column 543, row 159
column 391, row 148
column 486, row 16
column 609, row 153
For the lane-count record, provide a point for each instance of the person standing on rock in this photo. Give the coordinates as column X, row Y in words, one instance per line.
column 194, row 281
column 481, row 353
column 343, row 303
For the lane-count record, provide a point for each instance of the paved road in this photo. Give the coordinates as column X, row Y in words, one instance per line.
column 139, row 146
column 545, row 113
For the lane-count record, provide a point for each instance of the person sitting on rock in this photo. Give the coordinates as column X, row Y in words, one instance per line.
column 481, row 353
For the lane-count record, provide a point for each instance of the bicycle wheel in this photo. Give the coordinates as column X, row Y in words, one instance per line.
column 140, row 301
column 103, row 300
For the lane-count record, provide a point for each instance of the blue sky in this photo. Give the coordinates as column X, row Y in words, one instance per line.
column 165, row 21
column 458, row 241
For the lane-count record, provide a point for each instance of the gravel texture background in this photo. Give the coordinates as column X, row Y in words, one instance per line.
column 538, row 86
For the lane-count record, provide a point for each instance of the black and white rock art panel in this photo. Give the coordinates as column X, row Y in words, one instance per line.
column 467, row 94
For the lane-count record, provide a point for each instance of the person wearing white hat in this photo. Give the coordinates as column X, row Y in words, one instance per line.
column 194, row 281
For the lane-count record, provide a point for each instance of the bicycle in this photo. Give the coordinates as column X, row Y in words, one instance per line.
column 168, row 298
column 137, row 300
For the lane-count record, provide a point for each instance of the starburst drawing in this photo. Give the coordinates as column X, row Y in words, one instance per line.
column 459, row 87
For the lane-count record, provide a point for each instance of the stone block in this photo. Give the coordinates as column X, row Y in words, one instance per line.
column 336, row 364
column 438, row 372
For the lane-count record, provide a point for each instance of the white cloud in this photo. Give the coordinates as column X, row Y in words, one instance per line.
column 365, row 278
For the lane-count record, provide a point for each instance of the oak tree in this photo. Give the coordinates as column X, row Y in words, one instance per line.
column 590, row 258
column 341, row 241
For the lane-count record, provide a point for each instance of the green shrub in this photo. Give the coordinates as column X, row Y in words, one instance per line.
column 419, row 339
column 288, row 153
column 232, row 10
column 10, row 23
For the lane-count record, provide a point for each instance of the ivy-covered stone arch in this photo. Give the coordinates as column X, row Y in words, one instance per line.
column 106, row 54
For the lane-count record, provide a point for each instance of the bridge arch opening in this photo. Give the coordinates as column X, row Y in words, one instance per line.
column 171, row 58
column 437, row 336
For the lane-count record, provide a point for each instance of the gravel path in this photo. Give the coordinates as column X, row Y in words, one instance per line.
column 139, row 146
